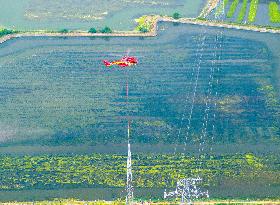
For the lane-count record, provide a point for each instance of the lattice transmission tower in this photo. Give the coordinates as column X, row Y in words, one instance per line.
column 187, row 189
column 129, row 186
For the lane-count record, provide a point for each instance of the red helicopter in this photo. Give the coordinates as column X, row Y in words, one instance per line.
column 125, row 61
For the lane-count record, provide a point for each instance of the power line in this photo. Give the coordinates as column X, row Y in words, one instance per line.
column 129, row 185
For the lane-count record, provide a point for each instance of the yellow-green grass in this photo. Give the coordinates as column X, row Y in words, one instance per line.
column 274, row 13
column 232, row 8
column 159, row 171
column 242, row 12
column 145, row 23
column 253, row 10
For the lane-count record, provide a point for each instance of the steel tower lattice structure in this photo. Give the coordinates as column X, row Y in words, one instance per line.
column 187, row 189
column 129, row 187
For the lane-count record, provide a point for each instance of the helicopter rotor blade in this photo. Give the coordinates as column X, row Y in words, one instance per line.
column 117, row 54
column 114, row 55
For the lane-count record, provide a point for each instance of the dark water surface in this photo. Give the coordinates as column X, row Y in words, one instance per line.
column 55, row 91
column 192, row 85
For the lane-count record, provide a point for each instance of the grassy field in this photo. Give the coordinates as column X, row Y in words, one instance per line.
column 158, row 171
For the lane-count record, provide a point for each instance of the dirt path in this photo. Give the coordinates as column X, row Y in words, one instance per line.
column 151, row 33
column 77, row 34
column 221, row 25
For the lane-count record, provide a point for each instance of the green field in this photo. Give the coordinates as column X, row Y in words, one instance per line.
column 253, row 10
column 150, row 171
column 274, row 12
column 249, row 11
column 242, row 12
column 232, row 8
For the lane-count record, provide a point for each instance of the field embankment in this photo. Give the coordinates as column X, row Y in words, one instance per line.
column 152, row 20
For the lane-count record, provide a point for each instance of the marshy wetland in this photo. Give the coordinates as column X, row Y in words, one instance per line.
column 63, row 115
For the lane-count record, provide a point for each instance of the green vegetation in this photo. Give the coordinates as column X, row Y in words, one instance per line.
column 145, row 23
column 249, row 26
column 150, row 171
column 4, row 32
column 272, row 102
column 232, row 8
column 92, row 30
column 176, row 15
column 201, row 18
column 143, row 30
column 242, row 12
column 254, row 161
column 271, row 94
column 274, row 13
column 253, row 11
column 64, row 30
column 106, row 30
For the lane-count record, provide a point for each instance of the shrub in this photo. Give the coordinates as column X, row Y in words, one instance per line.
column 106, row 30
column 92, row 30
column 64, row 30
column 253, row 10
column 143, row 29
column 176, row 15
column 201, row 18
column 143, row 24
column 274, row 13
column 4, row 32
column 232, row 8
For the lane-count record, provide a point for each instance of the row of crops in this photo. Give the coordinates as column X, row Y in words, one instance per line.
column 274, row 12
column 246, row 11
column 160, row 171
